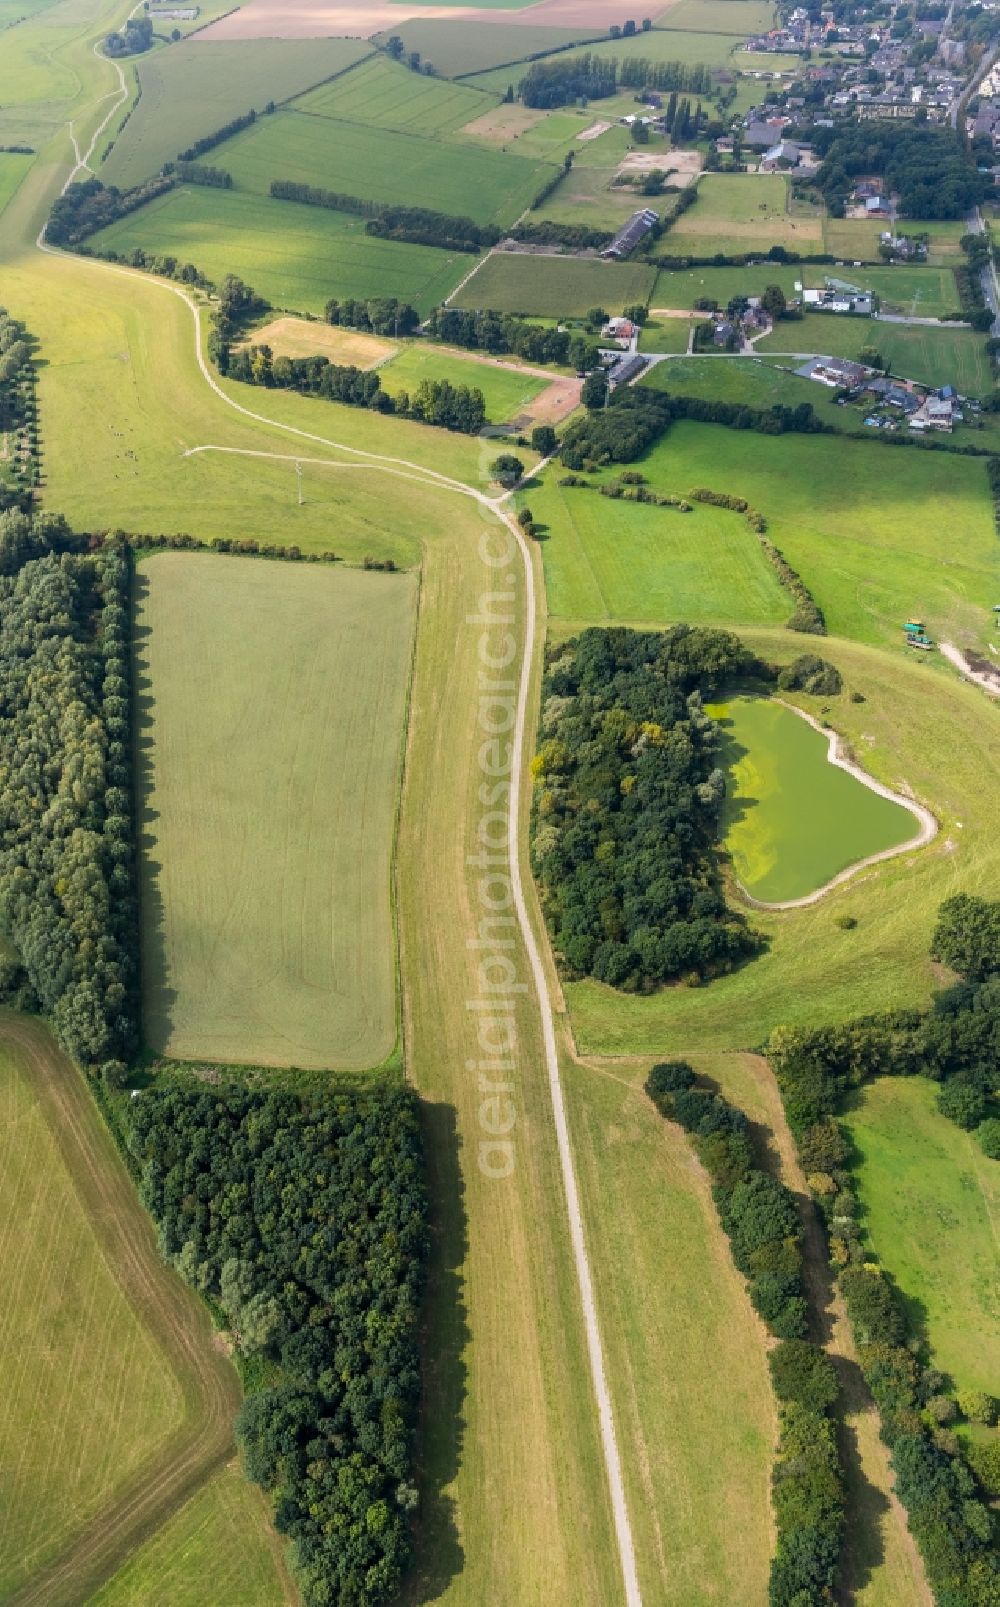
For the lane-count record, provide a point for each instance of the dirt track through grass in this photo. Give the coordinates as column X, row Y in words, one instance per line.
column 174, row 1315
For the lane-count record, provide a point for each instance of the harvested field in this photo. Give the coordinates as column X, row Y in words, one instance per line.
column 273, row 706
column 193, row 89
column 317, row 19
column 554, row 287
column 306, row 337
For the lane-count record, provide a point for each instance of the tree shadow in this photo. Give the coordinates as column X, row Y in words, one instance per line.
column 438, row 1553
column 157, row 997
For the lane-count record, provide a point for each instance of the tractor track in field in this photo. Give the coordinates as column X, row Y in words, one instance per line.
column 131, row 1518
column 172, row 1314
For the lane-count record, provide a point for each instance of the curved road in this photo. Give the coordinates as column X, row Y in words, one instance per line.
column 612, row 1459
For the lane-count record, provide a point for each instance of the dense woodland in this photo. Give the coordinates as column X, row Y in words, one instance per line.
column 435, row 401
column 499, row 332
column 379, row 315
column 944, row 1484
column 636, row 417
column 90, row 205
column 304, row 1220
column 761, row 1221
column 560, row 80
column 66, row 820
column 18, row 415
column 626, row 806
column 929, row 168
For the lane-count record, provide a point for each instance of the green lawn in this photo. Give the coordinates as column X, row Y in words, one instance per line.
column 555, row 287
column 791, row 820
column 681, row 287
column 89, row 1397
column 506, row 393
column 931, row 1202
column 930, row 354
column 272, row 714
column 194, row 88
column 607, row 560
column 749, row 381
column 741, row 212
column 379, row 164
column 856, row 237
column 665, row 335
column 297, row 256
column 222, row 1533
column 384, row 94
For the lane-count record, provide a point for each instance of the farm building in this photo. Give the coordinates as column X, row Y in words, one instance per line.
column 834, row 371
column 636, row 229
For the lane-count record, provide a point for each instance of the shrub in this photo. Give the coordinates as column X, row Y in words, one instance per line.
column 811, row 674
column 669, row 1077
column 977, row 1406
column 507, row 470
column 962, row 1103
column 873, row 1312
column 988, row 1134
column 967, row 936
column 802, row 1372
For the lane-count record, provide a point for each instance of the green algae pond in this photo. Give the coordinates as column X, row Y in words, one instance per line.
column 792, row 821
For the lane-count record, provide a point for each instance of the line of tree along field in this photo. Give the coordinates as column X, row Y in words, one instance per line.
column 303, row 1219
column 67, row 867
column 625, row 813
column 761, row 1221
column 18, row 415
column 90, row 205
column 557, row 81
column 928, row 168
column 808, row 616
column 415, row 224
column 634, row 418
column 499, row 332
column 945, row 1485
column 379, row 315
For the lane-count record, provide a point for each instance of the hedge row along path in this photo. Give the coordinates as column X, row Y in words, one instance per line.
column 117, row 1523
column 836, row 756
column 174, row 1316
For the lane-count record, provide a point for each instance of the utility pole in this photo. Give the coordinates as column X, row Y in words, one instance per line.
column 298, row 481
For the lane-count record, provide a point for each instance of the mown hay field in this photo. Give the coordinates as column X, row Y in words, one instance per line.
column 384, row 94
column 195, row 88
column 554, row 287
column 379, row 164
column 931, row 1204
column 89, row 1397
column 611, row 561
column 223, row 1533
column 296, row 256
column 272, row 702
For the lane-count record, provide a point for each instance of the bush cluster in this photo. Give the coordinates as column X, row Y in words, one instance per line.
column 305, row 1220
column 505, row 332
column 807, row 673
column 626, row 806
column 202, row 173
column 437, row 401
column 379, row 315
column 571, row 236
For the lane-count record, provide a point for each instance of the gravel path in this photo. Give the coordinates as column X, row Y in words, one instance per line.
column 988, row 683
column 835, row 755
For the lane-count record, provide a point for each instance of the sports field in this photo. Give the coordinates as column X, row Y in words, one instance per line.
column 931, row 1202
column 272, row 720
column 89, row 1397
column 607, row 560
column 506, row 393
column 223, row 1533
column 554, row 287
column 195, row 88
column 931, row 354
column 914, row 292
column 296, row 256
column 791, row 820
column 383, row 94
column 379, row 164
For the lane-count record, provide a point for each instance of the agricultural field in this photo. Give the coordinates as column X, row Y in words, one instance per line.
column 192, row 89
column 931, row 1204
column 927, row 353
column 296, row 256
column 682, row 287
column 554, row 287
column 459, row 49
column 746, row 380
column 710, row 48
column 697, row 1477
column 380, row 165
column 272, row 713
column 718, row 16
column 856, row 237
column 90, row 1398
column 223, row 1533
column 382, row 94
column 506, row 392
column 12, row 171
column 791, row 820
column 608, row 560
column 737, row 212
column 307, row 337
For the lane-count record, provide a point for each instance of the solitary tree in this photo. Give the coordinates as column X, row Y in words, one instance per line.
column 773, row 301
column 507, row 470
column 544, row 439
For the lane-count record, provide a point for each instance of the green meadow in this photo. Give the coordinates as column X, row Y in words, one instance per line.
column 506, row 393
column 931, row 1204
column 297, row 256
column 608, row 560
column 12, row 171
column 380, row 164
column 682, row 287
column 856, row 237
column 665, row 335
column 384, row 94
column 741, row 212
column 746, row 380
column 459, row 49
column 930, row 354
column 554, row 287
column 792, row 821
column 194, row 88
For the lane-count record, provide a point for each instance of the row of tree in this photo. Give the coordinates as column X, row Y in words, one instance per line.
column 90, row 205
column 67, row 840
column 379, row 315
column 945, row 1485
column 416, row 224
column 451, row 407
column 559, row 80
column 304, row 1218
column 625, row 813
column 216, row 178
column 208, row 142
column 499, row 332
column 18, row 414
